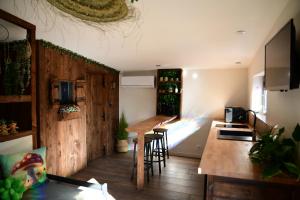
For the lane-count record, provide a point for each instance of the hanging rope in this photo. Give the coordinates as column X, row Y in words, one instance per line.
column 7, row 33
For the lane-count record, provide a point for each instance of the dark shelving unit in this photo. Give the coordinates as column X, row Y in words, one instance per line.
column 169, row 92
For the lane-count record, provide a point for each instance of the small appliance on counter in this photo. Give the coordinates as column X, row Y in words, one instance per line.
column 235, row 115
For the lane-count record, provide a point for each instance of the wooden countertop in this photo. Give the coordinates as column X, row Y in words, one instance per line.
column 229, row 158
column 149, row 124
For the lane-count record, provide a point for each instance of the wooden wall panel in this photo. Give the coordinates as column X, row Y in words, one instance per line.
column 94, row 116
column 70, row 144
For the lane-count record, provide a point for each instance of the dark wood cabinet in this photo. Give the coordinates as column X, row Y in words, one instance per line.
column 230, row 188
column 169, row 92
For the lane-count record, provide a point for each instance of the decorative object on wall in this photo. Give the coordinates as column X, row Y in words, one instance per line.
column 66, row 92
column 275, row 154
column 68, row 112
column 74, row 55
column 80, row 88
column 67, row 95
column 93, row 10
column 122, row 135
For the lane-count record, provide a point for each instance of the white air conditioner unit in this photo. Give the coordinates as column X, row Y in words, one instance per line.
column 138, row 81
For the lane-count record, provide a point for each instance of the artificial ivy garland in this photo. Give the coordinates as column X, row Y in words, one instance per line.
column 74, row 55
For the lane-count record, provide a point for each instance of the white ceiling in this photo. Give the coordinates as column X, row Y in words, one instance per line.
column 172, row 33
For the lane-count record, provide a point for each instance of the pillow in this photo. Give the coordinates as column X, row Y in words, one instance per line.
column 29, row 167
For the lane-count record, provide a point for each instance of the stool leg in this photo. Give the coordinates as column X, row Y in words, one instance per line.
column 163, row 151
column 132, row 172
column 167, row 145
column 158, row 153
column 151, row 158
column 147, row 160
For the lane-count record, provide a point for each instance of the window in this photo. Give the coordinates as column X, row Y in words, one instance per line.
column 259, row 94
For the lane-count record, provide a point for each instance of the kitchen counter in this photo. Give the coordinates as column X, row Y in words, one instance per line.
column 229, row 158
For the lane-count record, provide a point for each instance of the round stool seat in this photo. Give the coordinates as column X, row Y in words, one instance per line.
column 160, row 130
column 153, row 136
column 146, row 140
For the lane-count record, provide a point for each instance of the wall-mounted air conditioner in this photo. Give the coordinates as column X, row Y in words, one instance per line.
column 138, row 81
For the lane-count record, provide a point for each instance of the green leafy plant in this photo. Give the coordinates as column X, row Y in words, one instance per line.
column 122, row 134
column 11, row 189
column 68, row 108
column 275, row 154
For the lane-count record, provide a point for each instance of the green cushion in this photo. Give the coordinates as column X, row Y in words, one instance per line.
column 30, row 167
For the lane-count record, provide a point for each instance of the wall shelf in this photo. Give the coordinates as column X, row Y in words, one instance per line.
column 22, row 108
column 169, row 103
column 15, row 98
column 5, row 138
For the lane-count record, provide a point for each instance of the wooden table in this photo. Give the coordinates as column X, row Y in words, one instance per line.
column 141, row 128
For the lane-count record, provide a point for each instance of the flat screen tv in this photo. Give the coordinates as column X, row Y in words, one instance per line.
column 281, row 70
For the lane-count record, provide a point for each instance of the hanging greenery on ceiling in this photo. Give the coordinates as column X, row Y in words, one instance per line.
column 74, row 55
column 93, row 10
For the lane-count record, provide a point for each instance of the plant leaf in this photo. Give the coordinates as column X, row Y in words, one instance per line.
column 292, row 168
column 296, row 133
column 254, row 148
column 270, row 171
column 281, row 130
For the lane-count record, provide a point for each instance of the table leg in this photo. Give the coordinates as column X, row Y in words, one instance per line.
column 140, row 161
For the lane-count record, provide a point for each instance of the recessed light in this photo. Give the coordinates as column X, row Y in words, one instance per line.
column 242, row 32
column 238, row 62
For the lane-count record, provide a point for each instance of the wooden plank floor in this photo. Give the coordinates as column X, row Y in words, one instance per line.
column 178, row 181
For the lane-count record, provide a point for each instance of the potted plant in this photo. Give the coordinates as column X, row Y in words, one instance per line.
column 277, row 155
column 68, row 112
column 122, row 135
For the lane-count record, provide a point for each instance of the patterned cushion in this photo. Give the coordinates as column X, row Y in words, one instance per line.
column 30, row 167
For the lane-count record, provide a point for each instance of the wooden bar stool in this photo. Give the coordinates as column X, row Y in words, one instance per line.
column 164, row 132
column 148, row 157
column 158, row 148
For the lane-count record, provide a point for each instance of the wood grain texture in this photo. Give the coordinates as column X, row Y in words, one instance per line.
column 70, row 144
column 65, row 140
column 229, row 158
column 178, row 181
column 15, row 98
column 149, row 124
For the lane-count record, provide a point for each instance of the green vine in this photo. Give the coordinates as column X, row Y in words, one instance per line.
column 74, row 55
column 17, row 65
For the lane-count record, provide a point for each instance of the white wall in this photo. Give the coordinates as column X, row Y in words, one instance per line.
column 137, row 103
column 207, row 92
column 17, row 145
column 282, row 108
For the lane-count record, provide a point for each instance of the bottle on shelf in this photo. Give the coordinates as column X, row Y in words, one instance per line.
column 176, row 89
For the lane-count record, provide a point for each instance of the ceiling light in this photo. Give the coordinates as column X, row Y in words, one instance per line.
column 157, row 65
column 238, row 62
column 241, row 32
